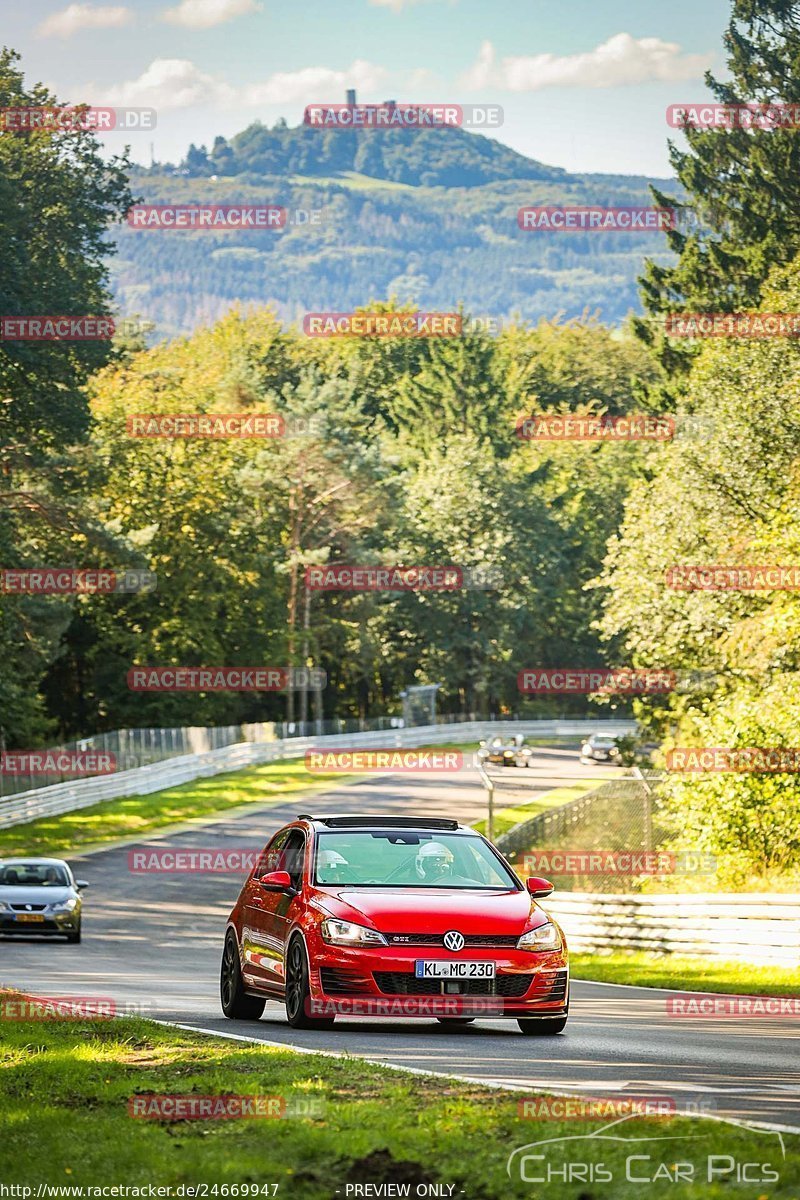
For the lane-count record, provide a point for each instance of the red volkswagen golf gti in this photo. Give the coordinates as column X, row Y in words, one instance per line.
column 392, row 916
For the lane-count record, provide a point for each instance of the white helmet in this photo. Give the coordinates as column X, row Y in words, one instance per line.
column 433, row 861
column 330, row 861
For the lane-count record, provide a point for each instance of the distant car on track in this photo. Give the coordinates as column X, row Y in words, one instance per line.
column 392, row 916
column 40, row 895
column 506, row 752
column 601, row 747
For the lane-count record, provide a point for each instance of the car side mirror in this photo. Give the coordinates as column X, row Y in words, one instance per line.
column 538, row 887
column 276, row 881
column 80, row 884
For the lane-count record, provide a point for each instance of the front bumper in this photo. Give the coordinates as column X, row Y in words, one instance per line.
column 382, row 982
column 52, row 925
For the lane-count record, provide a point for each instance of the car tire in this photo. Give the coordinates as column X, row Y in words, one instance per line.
column 236, row 1004
column 74, row 938
column 455, row 1020
column 547, row 1027
column 298, row 993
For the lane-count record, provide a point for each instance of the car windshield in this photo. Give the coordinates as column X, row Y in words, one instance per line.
column 33, row 875
column 604, row 742
column 403, row 858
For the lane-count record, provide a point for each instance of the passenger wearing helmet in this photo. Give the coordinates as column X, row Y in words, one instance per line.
column 330, row 866
column 434, row 864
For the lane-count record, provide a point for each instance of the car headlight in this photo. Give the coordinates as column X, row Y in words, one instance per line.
column 66, row 905
column 544, row 937
column 346, row 933
column 5, row 906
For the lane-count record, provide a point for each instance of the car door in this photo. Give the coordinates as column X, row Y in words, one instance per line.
column 277, row 917
column 257, row 951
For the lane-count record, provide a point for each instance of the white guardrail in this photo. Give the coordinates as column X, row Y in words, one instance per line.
column 140, row 781
column 741, row 927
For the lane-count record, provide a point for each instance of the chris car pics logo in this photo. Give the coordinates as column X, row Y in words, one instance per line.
column 635, row 1155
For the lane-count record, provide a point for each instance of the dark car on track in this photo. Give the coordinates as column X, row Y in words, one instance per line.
column 392, row 916
column 41, row 896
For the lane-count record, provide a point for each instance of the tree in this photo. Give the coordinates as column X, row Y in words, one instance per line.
column 55, row 191
column 740, row 184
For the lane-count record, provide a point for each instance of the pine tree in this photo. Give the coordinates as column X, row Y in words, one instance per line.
column 741, row 184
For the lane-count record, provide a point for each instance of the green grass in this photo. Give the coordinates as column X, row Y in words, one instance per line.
column 507, row 818
column 134, row 816
column 65, row 1089
column 686, row 973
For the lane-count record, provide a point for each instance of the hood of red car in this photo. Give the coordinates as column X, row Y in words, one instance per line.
column 429, row 910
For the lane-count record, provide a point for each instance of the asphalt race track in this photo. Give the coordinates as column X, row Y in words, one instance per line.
column 154, row 941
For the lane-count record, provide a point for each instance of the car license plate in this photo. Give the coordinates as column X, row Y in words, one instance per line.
column 426, row 969
column 29, row 917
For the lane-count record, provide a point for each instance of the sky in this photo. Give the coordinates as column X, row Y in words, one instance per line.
column 583, row 84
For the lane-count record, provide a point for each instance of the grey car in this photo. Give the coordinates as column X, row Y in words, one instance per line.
column 601, row 747
column 40, row 895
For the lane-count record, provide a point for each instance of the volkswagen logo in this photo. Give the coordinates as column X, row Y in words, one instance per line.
column 453, row 940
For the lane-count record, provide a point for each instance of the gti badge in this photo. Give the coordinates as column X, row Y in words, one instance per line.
column 453, row 940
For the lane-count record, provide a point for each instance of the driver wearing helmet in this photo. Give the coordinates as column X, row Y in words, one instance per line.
column 329, row 867
column 434, row 864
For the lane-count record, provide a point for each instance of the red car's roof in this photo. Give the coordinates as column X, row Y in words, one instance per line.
column 349, row 821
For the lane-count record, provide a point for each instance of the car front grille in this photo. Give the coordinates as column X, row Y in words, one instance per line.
column 403, row 983
column 437, row 939
column 28, row 907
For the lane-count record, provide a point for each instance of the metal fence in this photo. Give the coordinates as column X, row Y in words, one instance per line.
column 736, row 927
column 132, row 748
column 156, row 776
column 621, row 817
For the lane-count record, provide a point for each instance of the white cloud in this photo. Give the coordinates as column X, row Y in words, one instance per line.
column 179, row 83
column 315, row 84
column 76, row 17
column 166, row 83
column 396, row 5
column 205, row 14
column 620, row 61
